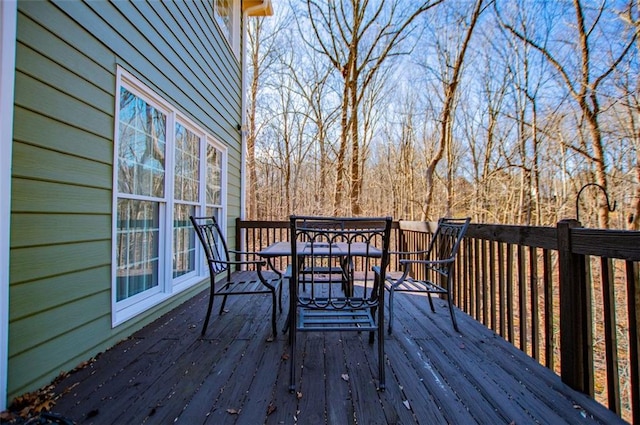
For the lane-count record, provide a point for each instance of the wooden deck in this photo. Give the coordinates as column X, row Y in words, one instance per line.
column 167, row 374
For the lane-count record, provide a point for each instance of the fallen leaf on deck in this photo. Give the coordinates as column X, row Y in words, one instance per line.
column 233, row 411
column 345, row 377
column 6, row 416
column 406, row 404
column 285, row 356
column 45, row 406
column 270, row 409
column 270, row 339
column 299, row 395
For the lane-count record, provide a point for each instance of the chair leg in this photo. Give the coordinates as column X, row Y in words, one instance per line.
column 381, row 374
column 274, row 330
column 224, row 301
column 453, row 316
column 281, row 285
column 433, row 309
column 206, row 319
column 390, row 326
column 372, row 334
column 292, row 353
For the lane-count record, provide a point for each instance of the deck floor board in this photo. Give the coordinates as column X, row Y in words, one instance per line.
column 167, row 373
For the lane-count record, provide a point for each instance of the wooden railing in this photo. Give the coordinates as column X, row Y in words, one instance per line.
column 567, row 296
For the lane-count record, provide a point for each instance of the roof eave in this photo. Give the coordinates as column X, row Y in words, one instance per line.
column 257, row 7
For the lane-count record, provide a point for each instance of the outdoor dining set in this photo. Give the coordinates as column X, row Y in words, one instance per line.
column 338, row 274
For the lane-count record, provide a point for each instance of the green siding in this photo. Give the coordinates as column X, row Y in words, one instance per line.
column 51, row 260
column 42, row 196
column 61, row 249
column 40, row 164
column 39, row 130
column 51, row 292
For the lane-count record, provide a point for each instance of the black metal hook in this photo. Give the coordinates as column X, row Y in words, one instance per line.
column 609, row 207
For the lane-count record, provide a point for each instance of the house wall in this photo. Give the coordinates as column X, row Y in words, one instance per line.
column 60, row 247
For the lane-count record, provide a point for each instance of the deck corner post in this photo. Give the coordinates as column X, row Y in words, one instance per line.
column 575, row 312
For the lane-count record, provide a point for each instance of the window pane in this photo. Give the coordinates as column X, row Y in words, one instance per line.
column 214, row 212
column 137, row 247
column 223, row 12
column 141, row 149
column 214, row 176
column 184, row 240
column 187, row 154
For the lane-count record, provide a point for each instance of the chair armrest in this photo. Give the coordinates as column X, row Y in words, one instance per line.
column 240, row 263
column 438, row 266
column 426, row 262
column 423, row 251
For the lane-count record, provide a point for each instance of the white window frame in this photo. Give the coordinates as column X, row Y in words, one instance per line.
column 231, row 34
column 167, row 285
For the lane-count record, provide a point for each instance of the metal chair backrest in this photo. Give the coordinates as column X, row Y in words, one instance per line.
column 445, row 242
column 213, row 243
column 323, row 247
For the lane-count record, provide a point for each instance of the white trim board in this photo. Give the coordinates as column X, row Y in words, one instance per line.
column 8, row 20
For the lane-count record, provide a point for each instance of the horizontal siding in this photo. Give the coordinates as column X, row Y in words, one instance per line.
column 201, row 102
column 41, row 196
column 51, row 28
column 43, row 99
column 40, row 130
column 47, row 325
column 37, row 262
column 64, row 79
column 51, row 292
column 40, row 229
column 41, row 164
column 66, row 59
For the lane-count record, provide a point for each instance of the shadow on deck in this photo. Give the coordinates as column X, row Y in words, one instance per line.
column 166, row 373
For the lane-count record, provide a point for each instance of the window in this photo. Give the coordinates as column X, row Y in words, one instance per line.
column 166, row 169
column 227, row 15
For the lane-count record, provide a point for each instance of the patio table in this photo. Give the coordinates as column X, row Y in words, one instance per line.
column 347, row 250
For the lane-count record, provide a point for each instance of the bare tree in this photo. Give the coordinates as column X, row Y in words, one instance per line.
column 583, row 83
column 262, row 54
column 357, row 37
column 450, row 79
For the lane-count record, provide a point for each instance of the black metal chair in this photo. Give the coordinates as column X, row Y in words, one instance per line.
column 429, row 271
column 325, row 252
column 226, row 275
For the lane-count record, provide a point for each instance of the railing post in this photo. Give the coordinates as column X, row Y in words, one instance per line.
column 239, row 245
column 575, row 313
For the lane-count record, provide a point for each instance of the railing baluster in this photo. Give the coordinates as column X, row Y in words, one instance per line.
column 509, row 264
column 548, row 310
column 522, row 298
column 633, row 302
column 535, row 323
column 501, row 285
column 485, row 287
column 611, row 338
column 492, row 283
column 477, row 291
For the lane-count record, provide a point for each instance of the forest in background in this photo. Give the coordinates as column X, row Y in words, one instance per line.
column 498, row 110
